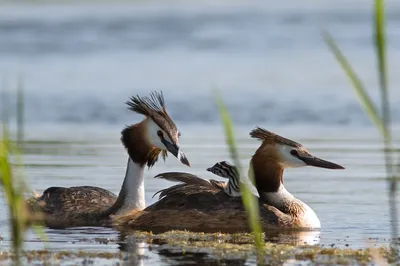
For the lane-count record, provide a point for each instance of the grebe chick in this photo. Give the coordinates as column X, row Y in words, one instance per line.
column 222, row 169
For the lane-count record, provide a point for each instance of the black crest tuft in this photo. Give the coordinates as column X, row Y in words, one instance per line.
column 154, row 107
column 265, row 135
column 147, row 105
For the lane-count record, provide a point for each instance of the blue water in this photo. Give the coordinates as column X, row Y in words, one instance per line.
column 79, row 63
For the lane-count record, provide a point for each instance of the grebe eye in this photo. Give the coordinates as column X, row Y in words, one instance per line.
column 160, row 134
column 294, row 153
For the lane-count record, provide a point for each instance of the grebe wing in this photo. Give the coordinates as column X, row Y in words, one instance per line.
column 186, row 178
column 183, row 177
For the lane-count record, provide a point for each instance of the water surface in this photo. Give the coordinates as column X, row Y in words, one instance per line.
column 80, row 62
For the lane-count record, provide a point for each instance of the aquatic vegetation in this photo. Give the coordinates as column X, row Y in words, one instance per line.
column 381, row 121
column 45, row 257
column 13, row 188
column 212, row 248
column 241, row 246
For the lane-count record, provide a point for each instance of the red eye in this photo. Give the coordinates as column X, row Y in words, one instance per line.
column 160, row 134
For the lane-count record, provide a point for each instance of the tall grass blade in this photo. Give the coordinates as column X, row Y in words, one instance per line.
column 13, row 194
column 249, row 200
column 382, row 123
column 11, row 181
column 358, row 86
column 14, row 200
column 4, row 103
column 18, row 152
column 20, row 114
column 380, row 46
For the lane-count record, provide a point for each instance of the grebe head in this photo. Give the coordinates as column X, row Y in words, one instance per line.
column 287, row 153
column 267, row 165
column 224, row 169
column 158, row 130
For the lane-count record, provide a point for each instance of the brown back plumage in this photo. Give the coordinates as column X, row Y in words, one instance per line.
column 74, row 206
column 225, row 214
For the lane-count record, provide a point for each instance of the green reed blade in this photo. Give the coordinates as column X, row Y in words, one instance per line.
column 358, row 86
column 383, row 124
column 13, row 195
column 4, row 102
column 249, row 200
column 12, row 182
column 5, row 172
column 20, row 114
column 380, row 46
column 17, row 153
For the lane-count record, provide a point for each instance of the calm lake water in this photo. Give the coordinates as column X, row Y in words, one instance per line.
column 79, row 63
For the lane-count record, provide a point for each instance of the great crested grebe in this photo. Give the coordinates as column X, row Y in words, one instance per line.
column 145, row 141
column 222, row 169
column 198, row 208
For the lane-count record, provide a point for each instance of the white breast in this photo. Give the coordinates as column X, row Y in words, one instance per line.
column 310, row 218
column 307, row 218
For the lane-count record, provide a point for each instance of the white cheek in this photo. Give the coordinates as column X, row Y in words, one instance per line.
column 288, row 160
column 155, row 140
